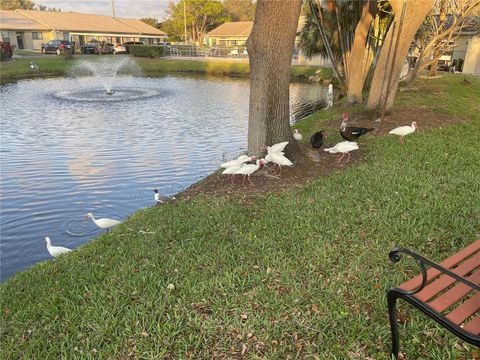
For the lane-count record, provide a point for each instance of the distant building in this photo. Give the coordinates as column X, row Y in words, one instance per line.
column 229, row 34
column 235, row 34
column 465, row 55
column 29, row 29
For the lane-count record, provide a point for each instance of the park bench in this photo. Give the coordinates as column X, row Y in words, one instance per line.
column 448, row 292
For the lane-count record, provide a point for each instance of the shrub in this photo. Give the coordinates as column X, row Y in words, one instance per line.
column 6, row 51
column 147, row 50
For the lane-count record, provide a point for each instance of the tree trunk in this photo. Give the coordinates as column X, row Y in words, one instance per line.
column 434, row 65
column 413, row 73
column 415, row 13
column 358, row 58
column 270, row 47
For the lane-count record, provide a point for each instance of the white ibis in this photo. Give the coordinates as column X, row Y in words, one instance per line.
column 281, row 160
column 56, row 250
column 297, row 136
column 33, row 66
column 102, row 223
column 275, row 149
column 404, row 130
column 343, row 147
column 160, row 199
column 238, row 161
column 231, row 171
column 248, row 169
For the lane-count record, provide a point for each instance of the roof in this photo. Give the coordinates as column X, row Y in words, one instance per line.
column 12, row 20
column 141, row 27
column 237, row 28
column 71, row 21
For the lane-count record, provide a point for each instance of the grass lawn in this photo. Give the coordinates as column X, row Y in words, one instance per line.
column 300, row 274
column 57, row 66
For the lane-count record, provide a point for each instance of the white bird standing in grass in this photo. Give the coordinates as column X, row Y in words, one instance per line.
column 249, row 169
column 343, row 147
column 55, row 250
column 33, row 66
column 404, row 130
column 297, row 136
column 102, row 223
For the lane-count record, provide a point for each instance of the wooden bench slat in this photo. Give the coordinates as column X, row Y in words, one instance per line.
column 453, row 295
column 464, row 311
column 445, row 281
column 473, row 326
column 416, row 281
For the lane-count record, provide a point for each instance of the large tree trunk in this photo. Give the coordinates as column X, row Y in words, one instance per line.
column 358, row 59
column 415, row 13
column 270, row 47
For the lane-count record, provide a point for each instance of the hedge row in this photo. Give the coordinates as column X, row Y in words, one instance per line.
column 150, row 51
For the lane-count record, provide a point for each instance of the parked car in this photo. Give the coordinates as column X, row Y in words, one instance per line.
column 128, row 43
column 97, row 47
column 57, row 47
column 119, row 49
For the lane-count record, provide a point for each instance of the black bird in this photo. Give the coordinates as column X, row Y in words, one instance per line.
column 317, row 139
column 352, row 133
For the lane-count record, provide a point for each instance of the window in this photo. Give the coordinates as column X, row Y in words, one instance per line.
column 6, row 36
column 37, row 36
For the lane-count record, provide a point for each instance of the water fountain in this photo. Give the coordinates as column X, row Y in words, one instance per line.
column 111, row 80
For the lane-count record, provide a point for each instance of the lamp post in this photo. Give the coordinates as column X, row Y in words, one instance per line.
column 113, row 8
column 185, row 20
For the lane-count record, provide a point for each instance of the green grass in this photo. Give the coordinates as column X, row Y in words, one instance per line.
column 302, row 274
column 57, row 66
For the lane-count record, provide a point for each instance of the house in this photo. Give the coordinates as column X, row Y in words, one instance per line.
column 465, row 55
column 471, row 63
column 235, row 34
column 229, row 34
column 29, row 29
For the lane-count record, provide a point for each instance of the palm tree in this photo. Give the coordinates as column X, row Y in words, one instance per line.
column 344, row 32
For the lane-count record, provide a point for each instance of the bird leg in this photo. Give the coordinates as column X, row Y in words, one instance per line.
column 232, row 179
column 271, row 168
column 279, row 170
column 348, row 159
column 401, row 140
column 243, row 182
column 340, row 158
column 250, row 181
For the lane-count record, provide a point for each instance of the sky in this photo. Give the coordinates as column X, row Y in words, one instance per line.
column 123, row 8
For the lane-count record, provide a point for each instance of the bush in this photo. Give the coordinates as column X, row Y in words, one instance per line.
column 6, row 51
column 150, row 51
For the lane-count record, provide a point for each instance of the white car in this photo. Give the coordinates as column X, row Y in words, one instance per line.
column 119, row 49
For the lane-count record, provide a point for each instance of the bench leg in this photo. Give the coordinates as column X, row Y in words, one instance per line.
column 392, row 297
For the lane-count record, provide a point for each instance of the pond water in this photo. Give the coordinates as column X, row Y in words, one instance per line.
column 65, row 152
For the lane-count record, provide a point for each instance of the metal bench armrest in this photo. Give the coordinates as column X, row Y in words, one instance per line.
column 395, row 256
